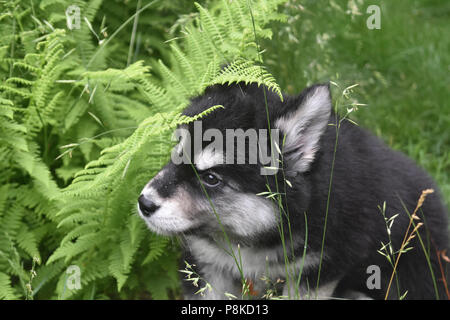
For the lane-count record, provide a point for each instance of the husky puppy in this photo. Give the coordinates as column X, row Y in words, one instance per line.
column 234, row 234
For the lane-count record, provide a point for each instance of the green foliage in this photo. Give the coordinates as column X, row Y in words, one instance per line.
column 84, row 124
column 86, row 115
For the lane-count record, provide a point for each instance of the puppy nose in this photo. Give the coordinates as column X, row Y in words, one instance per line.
column 147, row 207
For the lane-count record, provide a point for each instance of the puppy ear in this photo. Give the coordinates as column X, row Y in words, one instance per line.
column 303, row 126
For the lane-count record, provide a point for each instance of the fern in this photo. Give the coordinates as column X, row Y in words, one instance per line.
column 6, row 290
column 246, row 72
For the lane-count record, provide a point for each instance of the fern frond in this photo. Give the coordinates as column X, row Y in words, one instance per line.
column 157, row 246
column 24, row 93
column 116, row 78
column 90, row 227
column 210, row 26
column 45, row 274
column 21, row 81
column 26, row 240
column 175, row 84
column 247, row 72
column 187, row 67
column 83, row 244
column 211, row 71
column 6, row 290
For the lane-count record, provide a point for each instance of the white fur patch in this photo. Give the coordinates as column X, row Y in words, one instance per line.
column 208, row 158
column 246, row 214
column 171, row 217
column 181, row 134
column 324, row 291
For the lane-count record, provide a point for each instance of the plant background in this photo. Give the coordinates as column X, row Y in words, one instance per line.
column 117, row 85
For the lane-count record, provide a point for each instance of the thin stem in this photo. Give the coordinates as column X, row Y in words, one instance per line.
column 338, row 125
column 133, row 33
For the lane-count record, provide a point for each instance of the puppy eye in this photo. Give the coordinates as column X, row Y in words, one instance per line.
column 210, row 179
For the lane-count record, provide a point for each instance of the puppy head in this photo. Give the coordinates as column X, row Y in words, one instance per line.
column 211, row 186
